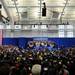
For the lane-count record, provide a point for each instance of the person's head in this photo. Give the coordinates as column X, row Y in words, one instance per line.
column 36, row 69
column 4, row 69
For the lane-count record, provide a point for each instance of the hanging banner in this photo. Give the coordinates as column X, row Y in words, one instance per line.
column 40, row 39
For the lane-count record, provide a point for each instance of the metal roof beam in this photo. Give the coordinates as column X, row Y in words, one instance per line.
column 7, row 11
column 39, row 6
column 17, row 10
column 63, row 10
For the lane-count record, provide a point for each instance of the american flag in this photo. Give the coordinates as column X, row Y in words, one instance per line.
column 1, row 36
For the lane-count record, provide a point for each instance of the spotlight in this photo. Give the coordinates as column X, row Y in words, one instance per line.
column 34, row 26
column 40, row 23
column 47, row 26
column 67, row 23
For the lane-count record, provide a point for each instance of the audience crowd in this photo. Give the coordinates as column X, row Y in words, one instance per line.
column 16, row 61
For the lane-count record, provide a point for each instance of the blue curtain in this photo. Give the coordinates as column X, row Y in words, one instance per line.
column 22, row 42
column 9, row 41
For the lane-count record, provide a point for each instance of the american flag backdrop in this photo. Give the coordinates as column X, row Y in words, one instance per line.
column 1, row 36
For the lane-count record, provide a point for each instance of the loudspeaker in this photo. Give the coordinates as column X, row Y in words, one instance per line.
column 0, row 6
column 43, row 11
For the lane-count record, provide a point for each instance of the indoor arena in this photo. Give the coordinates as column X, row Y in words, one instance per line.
column 37, row 37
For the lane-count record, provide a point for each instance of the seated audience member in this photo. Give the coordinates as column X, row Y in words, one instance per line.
column 37, row 45
column 30, row 45
column 36, row 69
column 45, row 44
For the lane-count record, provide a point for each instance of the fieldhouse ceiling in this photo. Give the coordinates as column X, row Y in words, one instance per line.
column 31, row 10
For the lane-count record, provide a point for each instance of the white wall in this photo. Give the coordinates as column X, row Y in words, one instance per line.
column 7, row 33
